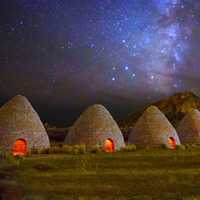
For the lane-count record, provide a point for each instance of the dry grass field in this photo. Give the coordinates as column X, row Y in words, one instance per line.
column 142, row 174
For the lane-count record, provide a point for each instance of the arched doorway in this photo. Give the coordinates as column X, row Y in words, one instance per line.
column 172, row 142
column 109, row 145
column 20, row 148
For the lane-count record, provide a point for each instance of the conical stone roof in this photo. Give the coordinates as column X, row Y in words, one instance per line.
column 153, row 129
column 93, row 127
column 18, row 120
column 189, row 128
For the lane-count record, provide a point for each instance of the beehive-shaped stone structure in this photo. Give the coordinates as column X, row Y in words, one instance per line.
column 94, row 127
column 19, row 121
column 153, row 129
column 189, row 128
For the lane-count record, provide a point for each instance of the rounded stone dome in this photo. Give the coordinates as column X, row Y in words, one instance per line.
column 153, row 129
column 189, row 128
column 19, row 120
column 93, row 127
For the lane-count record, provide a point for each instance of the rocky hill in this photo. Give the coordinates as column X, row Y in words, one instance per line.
column 175, row 107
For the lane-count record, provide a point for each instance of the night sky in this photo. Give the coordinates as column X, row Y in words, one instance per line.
column 67, row 54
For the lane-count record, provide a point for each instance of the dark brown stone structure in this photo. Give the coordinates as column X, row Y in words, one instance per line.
column 189, row 128
column 19, row 121
column 94, row 127
column 153, row 129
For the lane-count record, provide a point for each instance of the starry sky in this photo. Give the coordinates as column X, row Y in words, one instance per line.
column 67, row 54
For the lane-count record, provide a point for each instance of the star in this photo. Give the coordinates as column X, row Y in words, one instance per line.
column 123, row 48
column 152, row 77
column 113, row 78
column 133, row 75
column 126, row 67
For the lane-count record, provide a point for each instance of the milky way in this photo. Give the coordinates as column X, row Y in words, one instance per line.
column 69, row 54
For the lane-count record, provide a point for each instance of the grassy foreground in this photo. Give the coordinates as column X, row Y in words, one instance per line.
column 145, row 175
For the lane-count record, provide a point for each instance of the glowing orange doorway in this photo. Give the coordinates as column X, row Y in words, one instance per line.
column 20, row 148
column 109, row 146
column 172, row 142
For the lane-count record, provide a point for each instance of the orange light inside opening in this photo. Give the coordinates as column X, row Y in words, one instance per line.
column 20, row 148
column 172, row 142
column 109, row 146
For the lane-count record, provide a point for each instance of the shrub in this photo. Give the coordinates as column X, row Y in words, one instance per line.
column 82, row 149
column 129, row 148
column 147, row 148
column 40, row 151
column 78, row 149
column 74, row 149
column 55, row 150
column 34, row 151
column 67, row 149
column 192, row 146
column 164, row 146
column 43, row 151
column 180, row 147
column 96, row 149
column 195, row 146
column 61, row 149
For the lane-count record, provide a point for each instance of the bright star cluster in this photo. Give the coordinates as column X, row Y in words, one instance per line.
column 115, row 52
